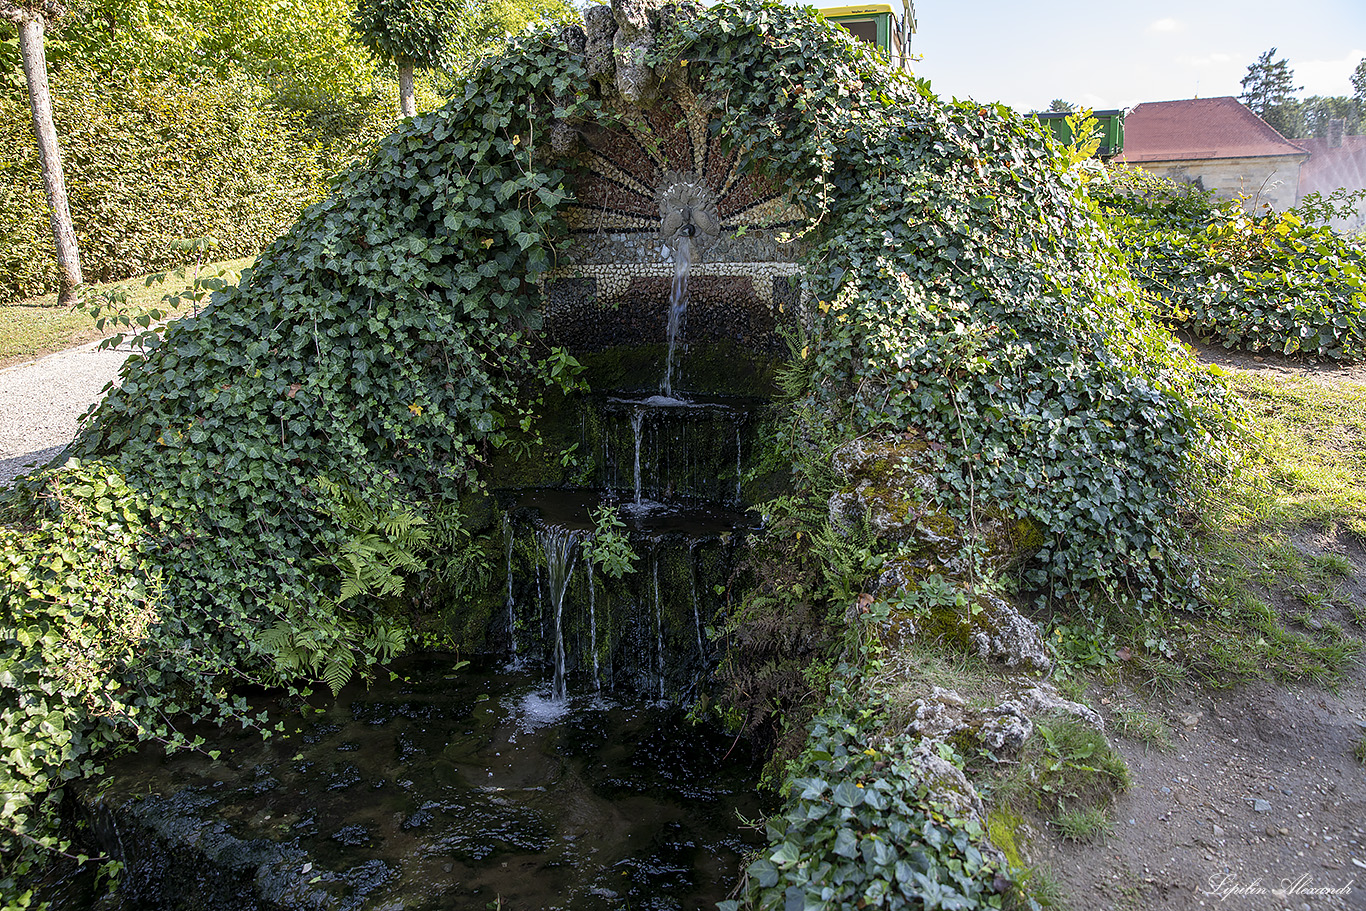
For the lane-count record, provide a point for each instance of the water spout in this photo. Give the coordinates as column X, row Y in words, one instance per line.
column 678, row 300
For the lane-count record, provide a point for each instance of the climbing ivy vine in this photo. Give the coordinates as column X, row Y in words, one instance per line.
column 963, row 287
column 260, row 478
column 1279, row 282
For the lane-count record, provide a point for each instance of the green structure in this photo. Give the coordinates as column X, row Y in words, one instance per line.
column 1111, row 125
column 877, row 23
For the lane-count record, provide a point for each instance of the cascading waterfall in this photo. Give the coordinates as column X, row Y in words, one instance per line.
column 593, row 626
column 659, row 624
column 678, row 305
column 558, row 544
column 739, row 466
column 696, row 614
column 637, row 418
column 511, row 599
column 677, row 499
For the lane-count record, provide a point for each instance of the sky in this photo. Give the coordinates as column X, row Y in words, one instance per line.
column 1106, row 55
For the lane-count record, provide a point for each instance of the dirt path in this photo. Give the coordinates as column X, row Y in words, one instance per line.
column 1260, row 802
column 1259, row 795
column 1271, row 365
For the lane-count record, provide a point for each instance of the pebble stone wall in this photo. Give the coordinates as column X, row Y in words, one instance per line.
column 611, row 284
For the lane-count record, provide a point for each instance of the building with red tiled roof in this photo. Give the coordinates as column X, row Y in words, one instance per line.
column 1335, row 163
column 1217, row 144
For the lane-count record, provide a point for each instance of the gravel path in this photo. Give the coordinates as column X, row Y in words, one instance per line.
column 43, row 401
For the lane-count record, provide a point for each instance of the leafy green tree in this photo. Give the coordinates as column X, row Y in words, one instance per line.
column 409, row 34
column 1316, row 112
column 1061, row 106
column 32, row 17
column 1269, row 91
column 1359, row 87
column 302, row 51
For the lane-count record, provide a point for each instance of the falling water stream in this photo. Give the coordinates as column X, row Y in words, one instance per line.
column 678, row 305
column 511, row 602
column 558, row 544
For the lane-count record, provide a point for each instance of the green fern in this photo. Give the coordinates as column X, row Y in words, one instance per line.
column 381, row 545
column 323, row 646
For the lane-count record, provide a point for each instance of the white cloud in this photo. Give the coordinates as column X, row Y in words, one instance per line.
column 1214, row 60
column 1327, row 77
column 1167, row 25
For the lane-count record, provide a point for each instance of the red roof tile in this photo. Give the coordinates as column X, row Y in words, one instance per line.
column 1330, row 168
column 1199, row 129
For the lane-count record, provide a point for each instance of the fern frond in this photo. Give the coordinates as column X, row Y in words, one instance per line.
column 338, row 670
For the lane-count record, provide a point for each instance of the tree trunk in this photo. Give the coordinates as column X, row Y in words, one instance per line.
column 40, row 102
column 407, row 100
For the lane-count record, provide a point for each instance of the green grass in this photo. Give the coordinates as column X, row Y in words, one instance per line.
column 1083, row 825
column 1142, row 726
column 1313, row 466
column 1308, row 475
column 1268, row 604
column 1065, row 766
column 32, row 328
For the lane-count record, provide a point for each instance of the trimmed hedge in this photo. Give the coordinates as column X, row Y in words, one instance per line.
column 150, row 163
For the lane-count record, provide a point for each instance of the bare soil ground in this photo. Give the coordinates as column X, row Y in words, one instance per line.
column 1259, row 803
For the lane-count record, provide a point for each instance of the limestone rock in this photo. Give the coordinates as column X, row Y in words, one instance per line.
column 947, row 783
column 599, row 27
column 564, row 138
column 1001, row 632
column 574, row 38
column 1043, row 698
column 938, row 715
column 638, row 24
column 1005, row 728
column 894, row 482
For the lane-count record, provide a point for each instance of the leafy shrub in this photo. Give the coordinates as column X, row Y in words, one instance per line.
column 962, row 286
column 151, row 163
column 1259, row 282
column 609, row 547
column 860, row 828
column 389, row 343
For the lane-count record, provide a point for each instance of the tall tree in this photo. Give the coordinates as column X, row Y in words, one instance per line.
column 1316, row 112
column 1359, row 87
column 1061, row 106
column 1269, row 90
column 410, row 34
column 32, row 17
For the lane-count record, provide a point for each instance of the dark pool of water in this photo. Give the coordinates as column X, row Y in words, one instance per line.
column 454, row 789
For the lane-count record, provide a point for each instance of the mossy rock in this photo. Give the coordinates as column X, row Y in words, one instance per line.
column 896, row 483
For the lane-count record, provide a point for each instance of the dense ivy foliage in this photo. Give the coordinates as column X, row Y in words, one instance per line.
column 279, row 450
column 964, row 288
column 1267, row 281
column 860, row 828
